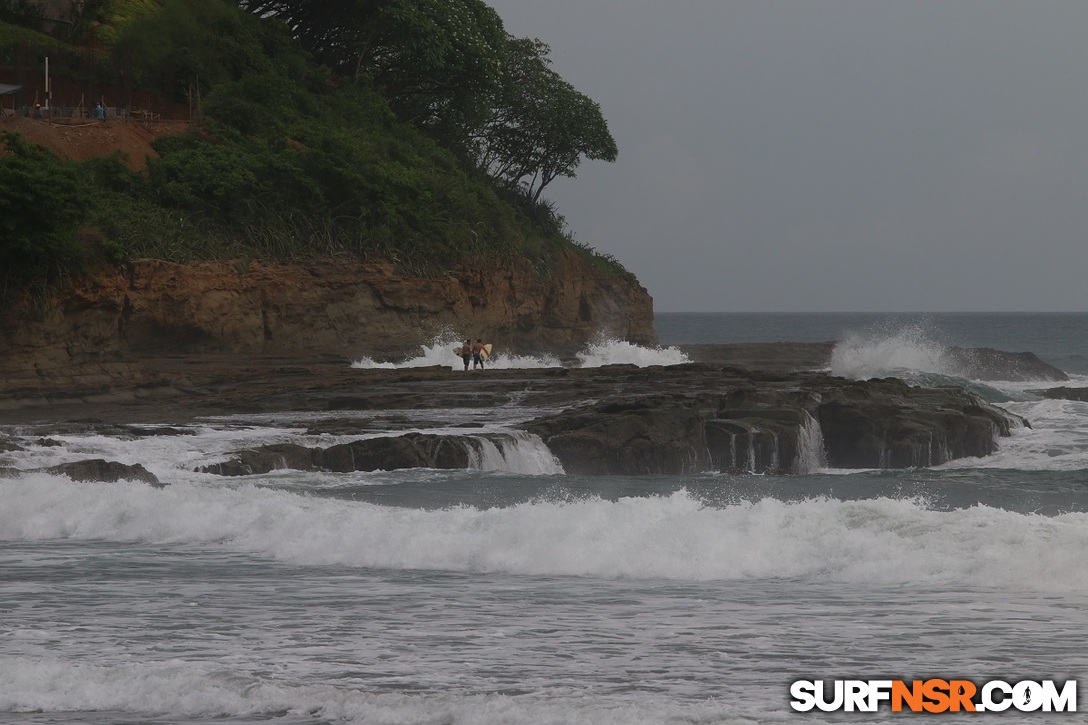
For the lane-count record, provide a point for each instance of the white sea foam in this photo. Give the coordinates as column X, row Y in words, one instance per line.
column 884, row 540
column 176, row 458
column 1055, row 441
column 602, row 351
column 506, row 361
column 440, row 351
column 607, row 351
column 191, row 690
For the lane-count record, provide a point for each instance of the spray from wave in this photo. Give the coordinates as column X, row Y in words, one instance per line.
column 914, row 354
column 607, row 351
column 439, row 351
column 602, row 351
column 883, row 352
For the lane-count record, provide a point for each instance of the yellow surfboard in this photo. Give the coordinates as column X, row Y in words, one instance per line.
column 485, row 354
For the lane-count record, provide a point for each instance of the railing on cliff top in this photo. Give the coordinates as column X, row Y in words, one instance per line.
column 76, row 114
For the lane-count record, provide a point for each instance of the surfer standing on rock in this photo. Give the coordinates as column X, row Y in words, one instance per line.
column 466, row 353
column 479, row 354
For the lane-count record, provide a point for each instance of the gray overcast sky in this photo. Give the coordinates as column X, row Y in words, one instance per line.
column 832, row 155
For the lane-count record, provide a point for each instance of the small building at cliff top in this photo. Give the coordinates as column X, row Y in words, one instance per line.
column 8, row 90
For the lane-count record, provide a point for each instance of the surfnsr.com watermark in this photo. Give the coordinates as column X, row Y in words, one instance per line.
column 933, row 695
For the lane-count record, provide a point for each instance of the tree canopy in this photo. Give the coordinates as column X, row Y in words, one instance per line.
column 449, row 67
column 540, row 126
column 414, row 131
column 433, row 59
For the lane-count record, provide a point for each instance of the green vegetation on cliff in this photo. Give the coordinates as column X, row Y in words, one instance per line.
column 416, row 131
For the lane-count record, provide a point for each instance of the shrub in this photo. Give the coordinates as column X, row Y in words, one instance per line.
column 41, row 205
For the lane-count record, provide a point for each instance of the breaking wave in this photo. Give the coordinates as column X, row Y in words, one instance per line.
column 882, row 353
column 31, row 686
column 677, row 536
column 607, row 351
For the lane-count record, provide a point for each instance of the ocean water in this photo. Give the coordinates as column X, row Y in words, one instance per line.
column 514, row 593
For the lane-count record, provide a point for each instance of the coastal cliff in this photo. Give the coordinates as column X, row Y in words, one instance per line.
column 339, row 306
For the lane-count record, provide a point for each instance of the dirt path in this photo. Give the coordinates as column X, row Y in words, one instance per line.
column 88, row 138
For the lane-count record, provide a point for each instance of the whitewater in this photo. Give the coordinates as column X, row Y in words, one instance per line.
column 512, row 592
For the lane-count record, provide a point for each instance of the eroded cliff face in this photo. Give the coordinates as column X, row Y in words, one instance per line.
column 336, row 306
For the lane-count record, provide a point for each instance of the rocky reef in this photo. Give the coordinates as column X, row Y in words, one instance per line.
column 691, row 418
column 703, row 417
column 617, row 419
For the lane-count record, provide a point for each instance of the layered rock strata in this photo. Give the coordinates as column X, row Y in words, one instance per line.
column 341, row 307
